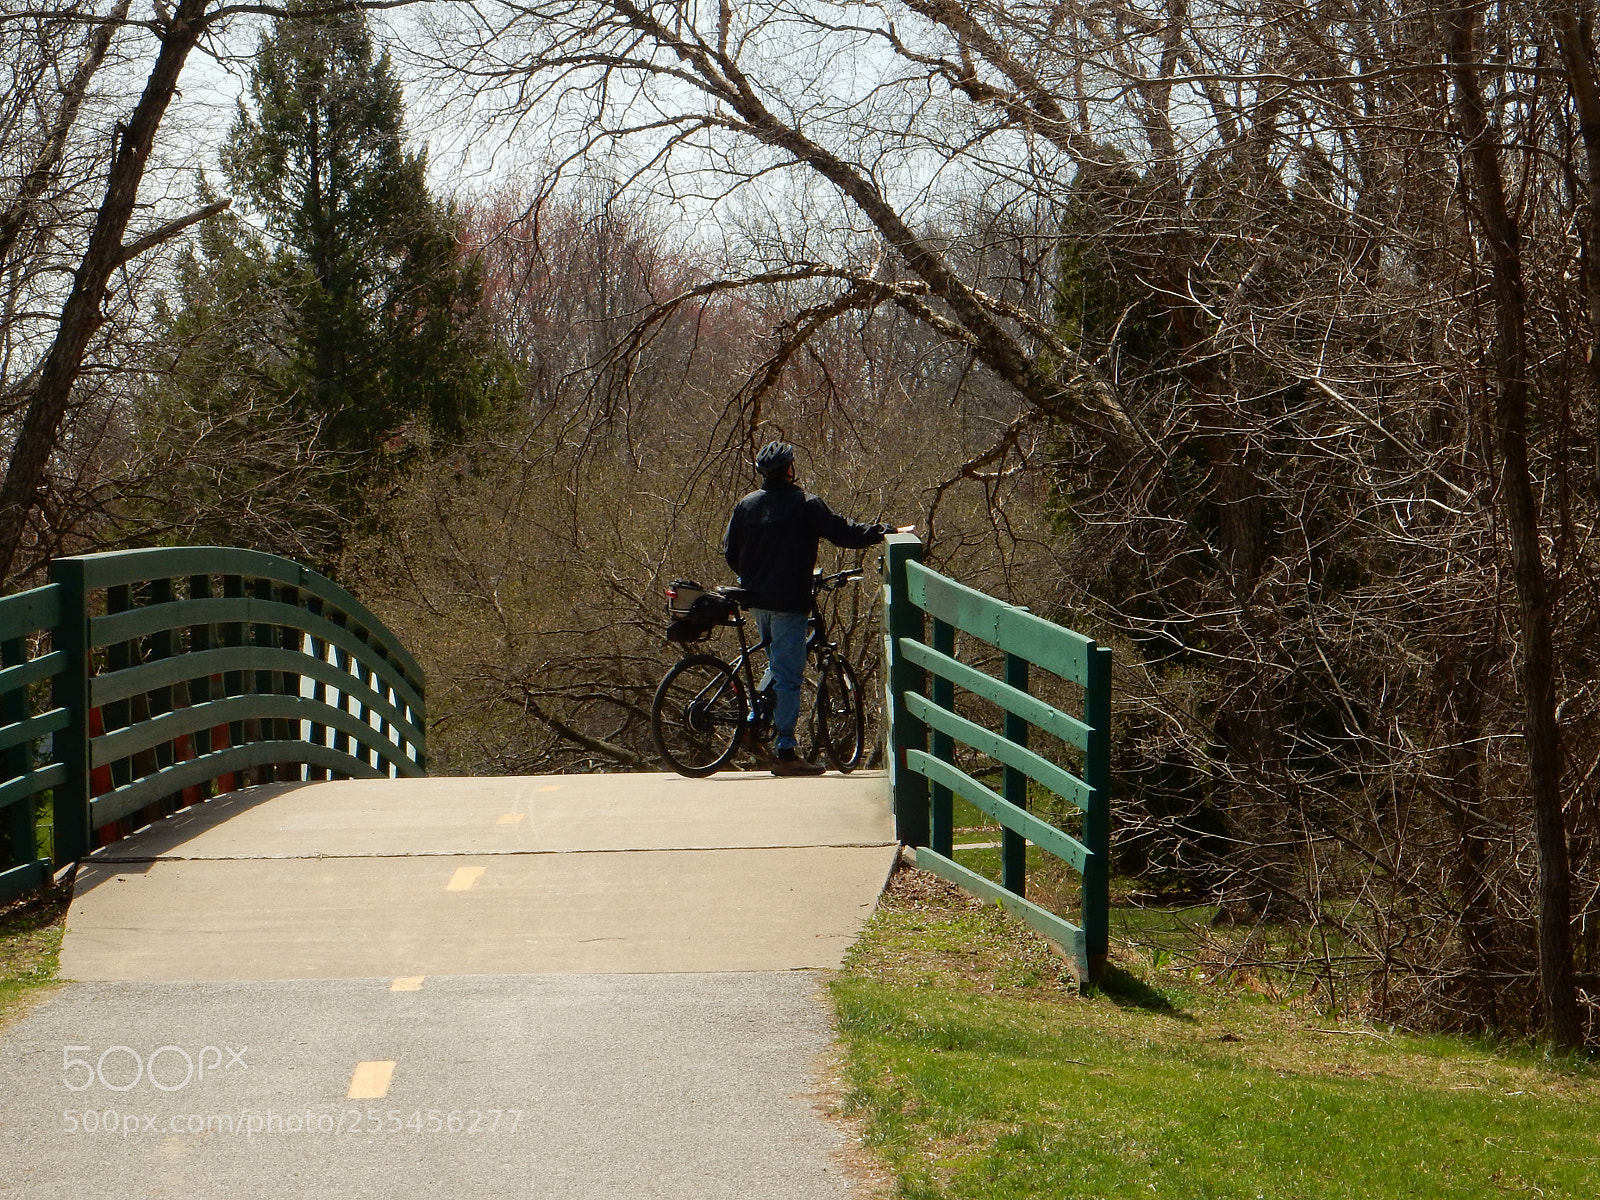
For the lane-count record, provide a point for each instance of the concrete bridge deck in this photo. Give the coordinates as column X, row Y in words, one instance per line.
column 573, row 986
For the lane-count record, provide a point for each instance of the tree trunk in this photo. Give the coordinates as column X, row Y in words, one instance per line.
column 81, row 315
column 1576, row 38
column 1461, row 686
column 1541, row 734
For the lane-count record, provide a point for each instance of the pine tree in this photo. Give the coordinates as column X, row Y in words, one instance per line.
column 322, row 329
column 221, row 451
column 384, row 319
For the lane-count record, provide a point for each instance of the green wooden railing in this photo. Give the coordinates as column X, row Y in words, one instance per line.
column 139, row 682
column 923, row 612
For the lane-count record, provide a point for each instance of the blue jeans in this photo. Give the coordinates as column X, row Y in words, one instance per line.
column 786, row 661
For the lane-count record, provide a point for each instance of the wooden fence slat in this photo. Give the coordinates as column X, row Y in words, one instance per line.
column 24, row 878
column 25, row 613
column 1014, row 630
column 1000, row 748
column 35, row 670
column 40, row 779
column 1058, row 929
column 1041, row 833
column 20, row 733
column 1030, row 708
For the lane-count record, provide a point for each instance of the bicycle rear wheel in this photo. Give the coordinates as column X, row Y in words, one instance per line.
column 841, row 722
column 695, row 718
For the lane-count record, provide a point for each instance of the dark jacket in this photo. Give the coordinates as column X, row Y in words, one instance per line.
column 772, row 543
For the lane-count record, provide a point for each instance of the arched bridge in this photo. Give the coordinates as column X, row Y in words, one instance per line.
column 408, row 970
column 139, row 683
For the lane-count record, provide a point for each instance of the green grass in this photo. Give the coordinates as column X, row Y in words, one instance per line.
column 975, row 1070
column 30, row 945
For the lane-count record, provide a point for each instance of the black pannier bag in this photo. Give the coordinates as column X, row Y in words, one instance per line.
column 695, row 612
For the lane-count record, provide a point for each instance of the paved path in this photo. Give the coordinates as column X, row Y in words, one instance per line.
column 564, row 987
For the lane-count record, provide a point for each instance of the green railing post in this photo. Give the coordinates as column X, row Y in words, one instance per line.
column 366, row 675
column 1097, row 817
column 903, row 619
column 941, row 834
column 199, row 690
column 263, row 683
column 18, row 833
column 160, row 645
column 341, row 739
column 319, row 689
column 70, row 690
column 118, row 714
column 1013, row 846
column 234, row 682
column 289, row 638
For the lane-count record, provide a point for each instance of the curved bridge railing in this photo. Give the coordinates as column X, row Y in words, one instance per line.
column 139, row 682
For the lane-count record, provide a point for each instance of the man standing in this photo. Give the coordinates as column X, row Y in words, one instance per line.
column 771, row 544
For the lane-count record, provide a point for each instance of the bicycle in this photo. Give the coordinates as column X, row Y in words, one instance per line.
column 704, row 712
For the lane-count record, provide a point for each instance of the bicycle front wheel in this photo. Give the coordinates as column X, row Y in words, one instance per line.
column 841, row 724
column 697, row 714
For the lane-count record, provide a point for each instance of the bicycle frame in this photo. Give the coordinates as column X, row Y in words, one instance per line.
column 818, row 645
column 741, row 665
column 691, row 703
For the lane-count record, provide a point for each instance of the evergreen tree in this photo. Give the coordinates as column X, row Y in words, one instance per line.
column 323, row 327
column 222, row 451
column 383, row 319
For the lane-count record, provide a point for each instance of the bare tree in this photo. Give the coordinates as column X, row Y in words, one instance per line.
column 49, row 385
column 1502, row 237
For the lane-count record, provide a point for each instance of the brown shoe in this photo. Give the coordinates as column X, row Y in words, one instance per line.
column 796, row 766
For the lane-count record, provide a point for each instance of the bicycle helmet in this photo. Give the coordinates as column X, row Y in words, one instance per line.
column 774, row 457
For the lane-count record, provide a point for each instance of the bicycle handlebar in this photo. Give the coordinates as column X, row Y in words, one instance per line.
column 823, row 583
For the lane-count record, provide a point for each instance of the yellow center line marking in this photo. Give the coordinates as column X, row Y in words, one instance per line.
column 552, row 787
column 512, row 818
column 370, row 1081
column 407, row 983
column 463, row 879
